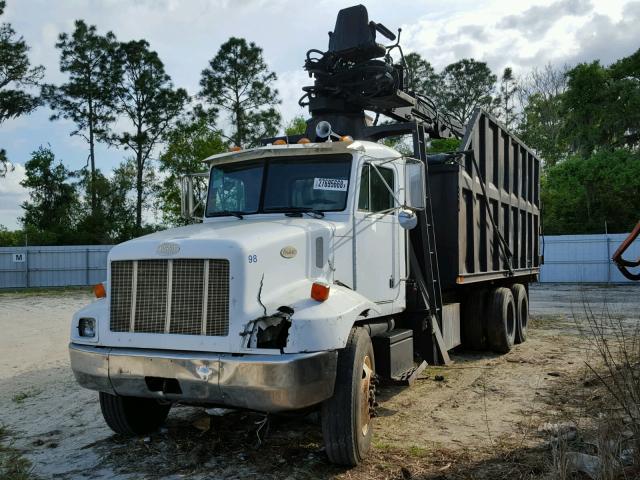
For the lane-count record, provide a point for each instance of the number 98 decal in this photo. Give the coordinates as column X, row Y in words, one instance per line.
column 253, row 258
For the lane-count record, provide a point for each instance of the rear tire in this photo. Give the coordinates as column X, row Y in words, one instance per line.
column 346, row 417
column 131, row 415
column 501, row 320
column 473, row 321
column 521, row 300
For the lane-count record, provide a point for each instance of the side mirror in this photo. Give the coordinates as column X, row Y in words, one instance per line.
column 189, row 187
column 407, row 219
column 415, row 184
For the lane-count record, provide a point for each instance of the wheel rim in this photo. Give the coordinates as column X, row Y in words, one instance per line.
column 365, row 385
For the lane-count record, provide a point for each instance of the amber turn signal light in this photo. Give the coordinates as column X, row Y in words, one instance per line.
column 99, row 291
column 320, row 291
column 235, row 148
column 304, row 140
column 280, row 142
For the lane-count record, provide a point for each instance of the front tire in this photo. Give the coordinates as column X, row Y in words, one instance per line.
column 131, row 415
column 347, row 415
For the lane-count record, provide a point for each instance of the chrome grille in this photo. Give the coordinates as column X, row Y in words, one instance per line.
column 186, row 299
column 218, row 306
column 151, row 296
column 121, row 275
column 168, row 296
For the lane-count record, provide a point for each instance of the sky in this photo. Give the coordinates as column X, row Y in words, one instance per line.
column 187, row 34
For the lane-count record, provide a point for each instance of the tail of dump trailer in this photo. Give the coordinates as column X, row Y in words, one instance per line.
column 486, row 216
column 486, row 207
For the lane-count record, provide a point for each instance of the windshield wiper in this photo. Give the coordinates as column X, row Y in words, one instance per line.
column 235, row 213
column 298, row 211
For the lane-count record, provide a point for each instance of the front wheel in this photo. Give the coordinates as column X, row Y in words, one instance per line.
column 347, row 415
column 132, row 415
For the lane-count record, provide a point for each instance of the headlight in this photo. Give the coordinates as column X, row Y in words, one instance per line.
column 87, row 327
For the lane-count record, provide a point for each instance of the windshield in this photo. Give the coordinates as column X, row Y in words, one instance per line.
column 280, row 184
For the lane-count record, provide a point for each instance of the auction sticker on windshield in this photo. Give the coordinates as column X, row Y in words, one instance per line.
column 337, row 184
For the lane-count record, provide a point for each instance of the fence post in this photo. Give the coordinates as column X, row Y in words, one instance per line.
column 608, row 260
column 86, row 266
column 28, row 254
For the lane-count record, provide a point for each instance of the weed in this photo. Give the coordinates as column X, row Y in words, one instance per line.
column 20, row 397
column 13, row 466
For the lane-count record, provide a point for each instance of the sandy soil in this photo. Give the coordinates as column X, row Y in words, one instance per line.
column 458, row 427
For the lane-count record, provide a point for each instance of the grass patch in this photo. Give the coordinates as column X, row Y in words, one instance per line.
column 549, row 322
column 13, row 466
column 381, row 445
column 48, row 291
column 417, row 451
column 20, row 397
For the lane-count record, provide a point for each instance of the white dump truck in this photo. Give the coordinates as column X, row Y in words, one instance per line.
column 321, row 262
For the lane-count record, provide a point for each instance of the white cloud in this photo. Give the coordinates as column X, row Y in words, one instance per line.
column 12, row 194
column 289, row 85
column 521, row 36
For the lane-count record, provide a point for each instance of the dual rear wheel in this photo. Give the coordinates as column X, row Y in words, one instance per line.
column 497, row 319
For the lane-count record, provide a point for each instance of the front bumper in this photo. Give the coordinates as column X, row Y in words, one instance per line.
column 267, row 383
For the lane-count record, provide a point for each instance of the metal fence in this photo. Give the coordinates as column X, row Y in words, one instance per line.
column 22, row 267
column 567, row 258
column 584, row 258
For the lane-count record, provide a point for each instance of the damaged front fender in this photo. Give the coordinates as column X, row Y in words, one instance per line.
column 319, row 326
column 268, row 331
column 301, row 324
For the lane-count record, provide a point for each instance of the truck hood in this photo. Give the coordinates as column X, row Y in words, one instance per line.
column 221, row 238
column 272, row 263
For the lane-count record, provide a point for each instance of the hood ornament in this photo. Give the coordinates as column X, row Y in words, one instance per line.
column 168, row 248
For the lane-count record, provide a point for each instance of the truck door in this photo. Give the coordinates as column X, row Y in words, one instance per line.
column 376, row 235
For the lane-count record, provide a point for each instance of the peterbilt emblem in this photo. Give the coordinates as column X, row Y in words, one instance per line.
column 288, row 252
column 168, row 248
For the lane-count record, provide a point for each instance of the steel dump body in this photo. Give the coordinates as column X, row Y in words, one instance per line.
column 470, row 249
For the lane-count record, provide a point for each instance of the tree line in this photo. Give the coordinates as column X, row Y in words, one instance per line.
column 583, row 121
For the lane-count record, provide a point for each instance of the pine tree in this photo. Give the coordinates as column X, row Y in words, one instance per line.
column 507, row 93
column 239, row 82
column 147, row 99
column 87, row 97
column 17, row 76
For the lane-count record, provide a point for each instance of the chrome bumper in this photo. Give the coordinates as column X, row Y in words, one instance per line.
column 267, row 383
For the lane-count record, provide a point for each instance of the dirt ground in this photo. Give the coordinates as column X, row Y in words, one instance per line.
column 478, row 418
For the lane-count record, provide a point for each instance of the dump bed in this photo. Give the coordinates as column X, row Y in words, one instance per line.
column 470, row 248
